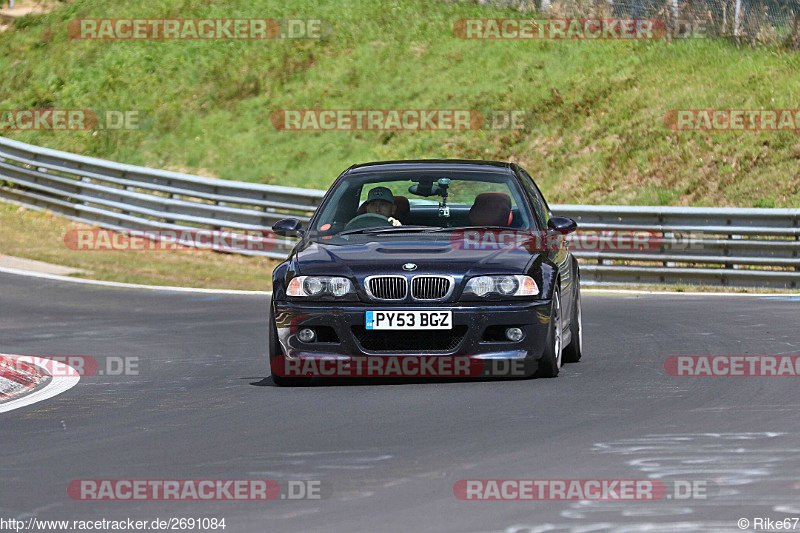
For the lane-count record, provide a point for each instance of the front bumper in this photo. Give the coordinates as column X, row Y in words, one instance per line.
column 473, row 334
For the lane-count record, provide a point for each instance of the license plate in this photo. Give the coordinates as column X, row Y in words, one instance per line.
column 409, row 320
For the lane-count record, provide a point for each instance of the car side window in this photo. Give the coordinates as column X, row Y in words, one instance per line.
column 539, row 205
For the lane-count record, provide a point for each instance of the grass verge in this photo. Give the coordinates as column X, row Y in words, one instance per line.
column 38, row 235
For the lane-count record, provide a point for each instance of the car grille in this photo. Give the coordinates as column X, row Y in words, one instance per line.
column 430, row 287
column 387, row 287
column 409, row 341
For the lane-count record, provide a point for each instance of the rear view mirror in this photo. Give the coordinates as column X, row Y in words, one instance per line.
column 423, row 188
column 427, row 187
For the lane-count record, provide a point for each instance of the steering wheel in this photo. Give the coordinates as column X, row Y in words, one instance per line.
column 367, row 220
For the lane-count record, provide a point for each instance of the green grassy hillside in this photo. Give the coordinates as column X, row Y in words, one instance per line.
column 595, row 131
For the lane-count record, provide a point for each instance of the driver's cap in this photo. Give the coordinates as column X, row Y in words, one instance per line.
column 381, row 193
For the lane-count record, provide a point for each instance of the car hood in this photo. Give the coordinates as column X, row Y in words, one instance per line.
column 362, row 259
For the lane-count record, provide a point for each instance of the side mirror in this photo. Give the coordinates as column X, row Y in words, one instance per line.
column 562, row 224
column 288, row 227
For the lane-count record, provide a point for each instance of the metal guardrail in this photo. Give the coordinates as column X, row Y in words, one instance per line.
column 117, row 196
column 709, row 246
column 697, row 246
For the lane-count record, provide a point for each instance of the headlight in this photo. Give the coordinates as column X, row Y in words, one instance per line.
column 317, row 286
column 482, row 286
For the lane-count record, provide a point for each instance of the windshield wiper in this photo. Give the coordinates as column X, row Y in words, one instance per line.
column 461, row 228
column 387, row 229
column 420, row 229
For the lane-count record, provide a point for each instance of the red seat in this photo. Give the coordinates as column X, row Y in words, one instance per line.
column 491, row 209
column 403, row 208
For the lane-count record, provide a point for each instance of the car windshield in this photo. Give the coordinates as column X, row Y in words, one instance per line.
column 382, row 202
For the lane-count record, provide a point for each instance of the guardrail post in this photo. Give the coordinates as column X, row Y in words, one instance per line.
column 676, row 18
column 737, row 19
column 734, row 238
column 125, row 188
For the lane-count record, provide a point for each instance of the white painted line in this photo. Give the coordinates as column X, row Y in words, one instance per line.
column 586, row 290
column 31, row 265
column 67, row 378
column 128, row 285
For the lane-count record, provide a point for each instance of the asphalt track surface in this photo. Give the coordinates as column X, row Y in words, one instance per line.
column 203, row 407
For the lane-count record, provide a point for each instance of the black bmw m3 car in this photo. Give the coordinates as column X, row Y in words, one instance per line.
column 428, row 259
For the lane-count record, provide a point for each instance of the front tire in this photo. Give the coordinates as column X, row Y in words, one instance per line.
column 573, row 352
column 550, row 363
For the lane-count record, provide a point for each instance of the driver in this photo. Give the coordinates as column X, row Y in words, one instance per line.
column 380, row 201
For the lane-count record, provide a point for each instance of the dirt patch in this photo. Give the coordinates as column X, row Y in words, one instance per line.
column 24, row 7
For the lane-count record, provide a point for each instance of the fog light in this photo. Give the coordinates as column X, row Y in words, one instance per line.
column 513, row 334
column 306, row 335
